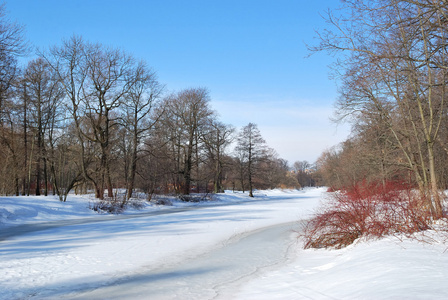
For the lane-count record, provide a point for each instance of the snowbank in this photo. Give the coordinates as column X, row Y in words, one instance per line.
column 382, row 269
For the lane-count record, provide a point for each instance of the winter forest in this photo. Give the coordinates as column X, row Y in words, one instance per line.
column 393, row 72
column 86, row 117
column 115, row 186
column 82, row 116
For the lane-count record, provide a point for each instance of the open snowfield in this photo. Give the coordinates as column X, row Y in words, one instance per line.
column 232, row 248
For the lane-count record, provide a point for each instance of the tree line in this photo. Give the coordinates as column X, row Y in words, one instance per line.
column 393, row 67
column 86, row 117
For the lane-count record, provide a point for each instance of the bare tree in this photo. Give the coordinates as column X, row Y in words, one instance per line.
column 187, row 114
column 12, row 45
column 302, row 170
column 110, row 77
column 396, row 65
column 216, row 138
column 65, row 170
column 96, row 80
column 252, row 147
column 69, row 63
column 44, row 94
column 137, row 108
column 10, row 152
column 273, row 172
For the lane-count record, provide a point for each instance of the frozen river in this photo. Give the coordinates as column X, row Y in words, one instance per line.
column 204, row 252
column 209, row 275
column 232, row 248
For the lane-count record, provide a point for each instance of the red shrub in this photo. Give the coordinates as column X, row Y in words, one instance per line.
column 366, row 210
column 331, row 190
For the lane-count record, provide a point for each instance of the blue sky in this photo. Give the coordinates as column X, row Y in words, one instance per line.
column 250, row 54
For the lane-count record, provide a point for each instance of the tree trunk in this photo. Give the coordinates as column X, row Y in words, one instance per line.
column 187, row 168
column 436, row 201
column 249, row 170
column 45, row 177
column 133, row 169
column 25, row 184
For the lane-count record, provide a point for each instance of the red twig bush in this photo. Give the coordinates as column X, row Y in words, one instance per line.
column 366, row 210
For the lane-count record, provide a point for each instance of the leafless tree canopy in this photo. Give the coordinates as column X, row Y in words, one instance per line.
column 88, row 117
column 91, row 118
column 393, row 69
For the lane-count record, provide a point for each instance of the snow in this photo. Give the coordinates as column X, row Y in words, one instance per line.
column 232, row 248
column 381, row 269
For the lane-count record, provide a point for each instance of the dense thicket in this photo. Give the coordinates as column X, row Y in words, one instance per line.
column 88, row 117
column 393, row 69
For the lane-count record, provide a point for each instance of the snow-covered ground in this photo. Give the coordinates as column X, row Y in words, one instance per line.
column 232, row 248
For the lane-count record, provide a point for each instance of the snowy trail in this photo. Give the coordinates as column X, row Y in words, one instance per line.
column 208, row 276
